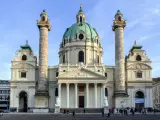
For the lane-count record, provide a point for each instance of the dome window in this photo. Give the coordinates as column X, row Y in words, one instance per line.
column 63, row 58
column 80, row 18
column 81, row 56
column 24, row 57
column 81, row 36
column 138, row 58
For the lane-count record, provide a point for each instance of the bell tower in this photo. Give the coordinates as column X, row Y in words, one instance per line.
column 41, row 97
column 118, row 27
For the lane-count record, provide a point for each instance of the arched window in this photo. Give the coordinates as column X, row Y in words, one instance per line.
column 105, row 74
column 80, row 18
column 24, row 57
column 119, row 18
column 106, row 92
column 57, row 74
column 81, row 56
column 43, row 18
column 56, row 92
column 138, row 58
column 63, row 58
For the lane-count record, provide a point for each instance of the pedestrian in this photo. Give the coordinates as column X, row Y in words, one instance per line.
column 73, row 113
column 133, row 112
column 102, row 113
column 84, row 111
column 127, row 112
column 154, row 110
column 143, row 111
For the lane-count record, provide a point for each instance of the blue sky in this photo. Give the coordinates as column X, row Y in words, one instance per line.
column 18, row 24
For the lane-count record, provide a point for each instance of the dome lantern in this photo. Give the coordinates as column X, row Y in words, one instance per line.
column 80, row 16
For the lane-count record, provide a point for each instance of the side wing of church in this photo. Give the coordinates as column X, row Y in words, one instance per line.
column 80, row 80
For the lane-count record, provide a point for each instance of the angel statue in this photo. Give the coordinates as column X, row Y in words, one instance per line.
column 105, row 101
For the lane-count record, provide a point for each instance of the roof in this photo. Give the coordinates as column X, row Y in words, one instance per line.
column 135, row 46
column 84, row 28
column 4, row 82
column 26, row 46
column 43, row 12
column 118, row 13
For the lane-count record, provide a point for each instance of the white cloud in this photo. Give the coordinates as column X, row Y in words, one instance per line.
column 156, row 12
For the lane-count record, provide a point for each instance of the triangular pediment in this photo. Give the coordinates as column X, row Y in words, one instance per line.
column 82, row 73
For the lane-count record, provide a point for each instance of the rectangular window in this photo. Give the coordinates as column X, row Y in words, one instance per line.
column 23, row 74
column 139, row 75
column 81, row 88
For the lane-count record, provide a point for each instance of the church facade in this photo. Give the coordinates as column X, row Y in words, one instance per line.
column 80, row 80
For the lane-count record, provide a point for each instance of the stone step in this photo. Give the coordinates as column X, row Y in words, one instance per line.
column 81, row 110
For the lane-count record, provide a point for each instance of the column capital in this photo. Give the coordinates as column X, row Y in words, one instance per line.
column 95, row 84
column 67, row 83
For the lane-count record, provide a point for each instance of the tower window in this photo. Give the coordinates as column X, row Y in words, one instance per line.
column 81, row 56
column 119, row 18
column 98, row 70
column 63, row 58
column 64, row 41
column 138, row 58
column 97, row 58
column 106, row 92
column 57, row 74
column 56, row 92
column 24, row 57
column 139, row 75
column 105, row 74
column 80, row 18
column 23, row 74
column 43, row 18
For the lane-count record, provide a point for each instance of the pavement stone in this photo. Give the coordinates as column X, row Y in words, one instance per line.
column 51, row 116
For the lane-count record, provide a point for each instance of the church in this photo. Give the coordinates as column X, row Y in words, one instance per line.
column 80, row 80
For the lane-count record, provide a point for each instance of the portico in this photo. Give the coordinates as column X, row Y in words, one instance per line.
column 81, row 95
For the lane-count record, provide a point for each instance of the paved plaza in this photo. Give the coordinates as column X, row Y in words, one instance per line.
column 22, row 116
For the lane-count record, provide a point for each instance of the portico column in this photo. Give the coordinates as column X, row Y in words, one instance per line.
column 67, row 95
column 95, row 91
column 76, row 106
column 87, row 95
column 103, row 94
column 59, row 92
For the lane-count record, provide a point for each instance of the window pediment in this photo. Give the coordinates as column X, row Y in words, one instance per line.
column 139, row 66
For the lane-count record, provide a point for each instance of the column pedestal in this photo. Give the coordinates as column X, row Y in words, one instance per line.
column 41, row 104
column 106, row 109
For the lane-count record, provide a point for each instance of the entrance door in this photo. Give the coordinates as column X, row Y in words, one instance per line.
column 81, row 101
column 23, row 102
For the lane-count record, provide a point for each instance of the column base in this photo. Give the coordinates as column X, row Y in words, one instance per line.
column 121, row 102
column 40, row 110
column 57, row 109
column 106, row 109
column 120, row 93
column 41, row 102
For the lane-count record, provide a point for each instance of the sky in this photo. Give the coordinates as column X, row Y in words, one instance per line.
column 18, row 24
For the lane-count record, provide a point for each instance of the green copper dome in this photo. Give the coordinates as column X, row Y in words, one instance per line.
column 84, row 28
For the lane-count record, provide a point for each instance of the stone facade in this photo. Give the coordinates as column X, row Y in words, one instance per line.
column 80, row 80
